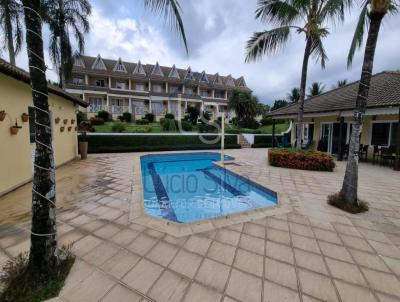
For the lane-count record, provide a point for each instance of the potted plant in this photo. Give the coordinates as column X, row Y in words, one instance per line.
column 14, row 129
column 62, row 128
column 69, row 129
column 83, row 140
column 2, row 115
column 72, row 121
column 57, row 120
column 65, row 121
column 25, row 117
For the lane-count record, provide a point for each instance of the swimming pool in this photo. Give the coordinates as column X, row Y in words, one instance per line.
column 189, row 187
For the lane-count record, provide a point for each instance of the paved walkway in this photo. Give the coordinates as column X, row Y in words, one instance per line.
column 314, row 253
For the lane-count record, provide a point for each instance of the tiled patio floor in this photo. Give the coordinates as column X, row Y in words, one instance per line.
column 314, row 253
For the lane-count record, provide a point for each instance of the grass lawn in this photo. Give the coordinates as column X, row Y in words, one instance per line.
column 278, row 128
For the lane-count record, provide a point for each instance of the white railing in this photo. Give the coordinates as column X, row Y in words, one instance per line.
column 97, row 108
column 119, row 109
column 139, row 110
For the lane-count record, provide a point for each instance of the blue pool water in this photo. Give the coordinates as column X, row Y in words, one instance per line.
column 189, row 187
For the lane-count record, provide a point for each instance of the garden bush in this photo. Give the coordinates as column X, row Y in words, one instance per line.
column 301, row 159
column 80, row 117
column 169, row 116
column 266, row 121
column 96, row 121
column 127, row 117
column 132, row 143
column 207, row 128
column 169, row 125
column 249, row 122
column 143, row 121
column 105, row 115
column 150, row 117
column 118, row 127
column 186, row 125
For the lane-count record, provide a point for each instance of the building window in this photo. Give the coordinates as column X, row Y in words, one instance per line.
column 173, row 89
column 139, row 87
column 96, row 104
column 221, row 108
column 100, row 83
column 157, row 108
column 219, row 94
column 78, row 81
column 204, row 93
column 120, row 84
column 138, row 107
column 188, row 91
column 31, row 112
column 380, row 134
column 157, row 88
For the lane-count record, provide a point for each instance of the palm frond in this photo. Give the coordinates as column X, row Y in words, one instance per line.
column 334, row 10
column 317, row 47
column 358, row 36
column 266, row 42
column 171, row 10
column 277, row 12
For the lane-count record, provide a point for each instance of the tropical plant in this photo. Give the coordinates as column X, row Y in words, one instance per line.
column 294, row 95
column 341, row 83
column 262, row 109
column 11, row 25
column 371, row 16
column 243, row 104
column 43, row 251
column 65, row 16
column 194, row 114
column 279, row 104
column 310, row 18
column 315, row 89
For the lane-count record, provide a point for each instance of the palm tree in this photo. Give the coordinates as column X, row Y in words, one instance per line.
column 302, row 17
column 294, row 95
column 371, row 16
column 43, row 252
column 243, row 103
column 64, row 17
column 10, row 22
column 316, row 88
column 341, row 83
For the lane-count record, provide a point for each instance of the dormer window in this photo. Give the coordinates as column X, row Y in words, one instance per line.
column 139, row 70
column 204, row 78
column 229, row 81
column 120, row 67
column 78, row 61
column 189, row 74
column 218, row 80
column 174, row 73
column 157, row 71
column 242, row 82
column 99, row 64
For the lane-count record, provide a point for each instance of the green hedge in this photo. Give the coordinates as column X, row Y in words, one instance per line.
column 262, row 141
column 132, row 143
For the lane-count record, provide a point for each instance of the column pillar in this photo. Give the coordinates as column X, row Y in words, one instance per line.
column 130, row 104
column 129, row 84
column 340, row 144
column 273, row 133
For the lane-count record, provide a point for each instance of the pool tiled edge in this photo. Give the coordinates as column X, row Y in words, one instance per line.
column 138, row 215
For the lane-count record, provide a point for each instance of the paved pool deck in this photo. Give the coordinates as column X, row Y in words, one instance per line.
column 311, row 252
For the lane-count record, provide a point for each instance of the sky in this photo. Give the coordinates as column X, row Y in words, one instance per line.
column 217, row 32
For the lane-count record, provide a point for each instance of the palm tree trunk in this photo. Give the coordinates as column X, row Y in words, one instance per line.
column 303, row 83
column 350, row 182
column 42, row 257
column 9, row 33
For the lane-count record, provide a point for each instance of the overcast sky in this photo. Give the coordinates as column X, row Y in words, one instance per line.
column 217, row 32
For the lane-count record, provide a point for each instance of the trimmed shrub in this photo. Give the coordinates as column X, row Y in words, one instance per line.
column 249, row 122
column 170, row 125
column 150, row 117
column 105, row 115
column 143, row 121
column 120, row 118
column 186, row 125
column 118, row 127
column 132, row 143
column 301, row 159
column 207, row 128
column 127, row 117
column 96, row 121
column 169, row 116
column 266, row 121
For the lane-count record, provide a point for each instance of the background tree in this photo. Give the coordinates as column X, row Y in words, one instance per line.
column 316, row 88
column 194, row 114
column 10, row 23
column 279, row 104
column 262, row 109
column 294, row 95
column 43, row 252
column 243, row 104
column 341, row 83
column 302, row 17
column 371, row 16
column 64, row 17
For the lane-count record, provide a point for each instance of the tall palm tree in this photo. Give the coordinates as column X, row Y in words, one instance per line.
column 316, row 88
column 65, row 17
column 307, row 17
column 243, row 104
column 43, row 252
column 294, row 95
column 10, row 22
column 371, row 16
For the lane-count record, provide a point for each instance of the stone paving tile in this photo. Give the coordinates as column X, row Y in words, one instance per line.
column 315, row 252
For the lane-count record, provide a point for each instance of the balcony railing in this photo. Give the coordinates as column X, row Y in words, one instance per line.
column 119, row 109
column 97, row 108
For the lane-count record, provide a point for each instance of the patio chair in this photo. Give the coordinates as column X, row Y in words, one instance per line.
column 377, row 155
